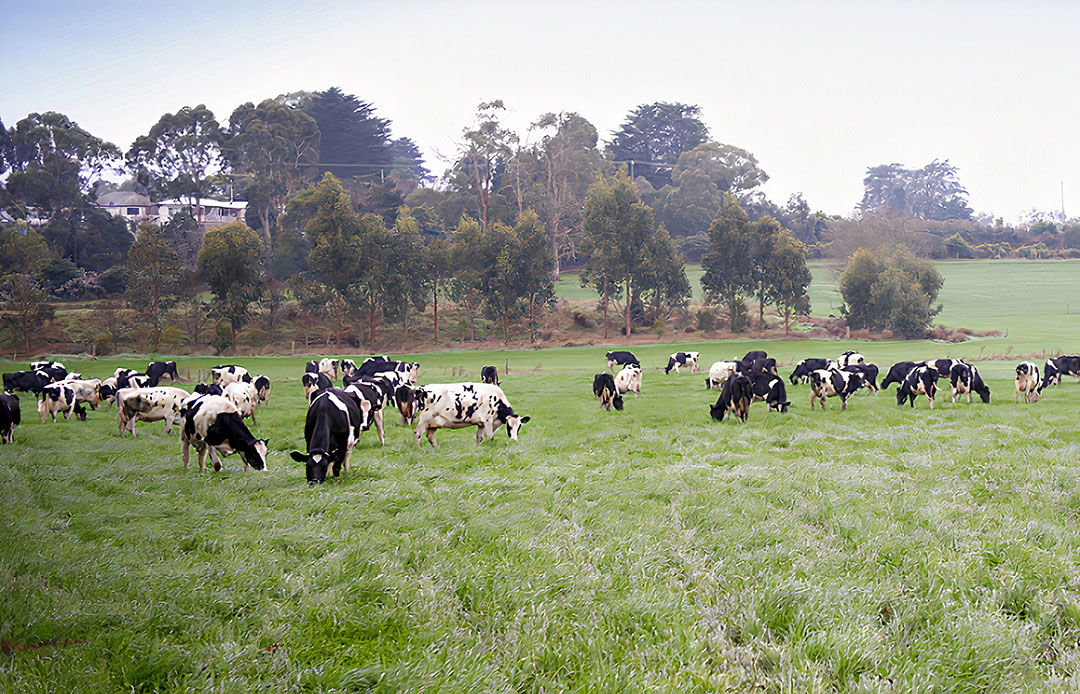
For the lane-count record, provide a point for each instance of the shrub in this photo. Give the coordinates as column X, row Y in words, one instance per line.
column 104, row 344
column 706, row 320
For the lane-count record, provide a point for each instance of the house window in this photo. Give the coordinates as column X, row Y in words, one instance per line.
column 133, row 211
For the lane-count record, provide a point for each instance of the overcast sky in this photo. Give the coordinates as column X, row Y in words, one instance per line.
column 818, row 91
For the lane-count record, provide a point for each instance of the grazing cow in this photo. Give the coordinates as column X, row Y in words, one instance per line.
column 149, row 405
column 121, row 372
column 603, row 387
column 245, row 397
column 1057, row 367
column 262, row 387
column 26, row 381
column 315, row 382
column 869, row 373
column 965, row 380
column 43, row 365
column 680, row 359
column 735, row 396
column 772, row 391
column 941, row 368
column 371, row 400
column 833, row 383
column 850, row 357
column 211, row 423
column 755, row 354
column 88, row 391
column 720, row 372
column 56, row 398
column 55, row 373
column 331, row 431
column 386, row 384
column 380, row 365
column 156, row 369
column 629, row 380
column 804, row 367
column 899, row 371
column 410, row 400
column 107, row 389
column 460, row 405
column 489, row 374
column 10, row 417
column 225, row 374
column 764, row 365
column 620, row 358
column 1027, row 381
column 920, row 380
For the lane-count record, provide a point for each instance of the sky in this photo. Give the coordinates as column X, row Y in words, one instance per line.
column 817, row 91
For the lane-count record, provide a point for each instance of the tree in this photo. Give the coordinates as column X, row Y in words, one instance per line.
column 178, row 156
column 486, row 147
column 856, row 285
column 355, row 143
column 896, row 294
column 663, row 279
column 22, row 251
column 25, row 309
column 229, row 263
column 958, row 247
column 439, row 265
column 273, row 145
column 654, row 135
column 467, row 260
column 761, row 236
column 730, row 168
column 154, row 273
column 531, row 259
column 932, row 192
column 787, row 278
column 729, row 265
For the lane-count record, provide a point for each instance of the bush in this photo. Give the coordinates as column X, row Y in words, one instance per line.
column 1035, row 251
column 895, row 294
column 104, row 344
column 173, row 337
column 706, row 320
column 222, row 335
column 114, row 280
column 742, row 317
column 958, row 247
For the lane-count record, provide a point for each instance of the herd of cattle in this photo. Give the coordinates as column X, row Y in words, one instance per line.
column 754, row 378
column 211, row 419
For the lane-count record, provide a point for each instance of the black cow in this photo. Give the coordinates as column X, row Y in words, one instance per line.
column 211, row 423
column 156, row 369
column 804, row 367
column 869, row 373
column 603, row 387
column 10, row 417
column 1057, row 367
column 965, row 380
column 833, row 383
column 620, row 358
column 754, row 355
column 735, row 396
column 899, row 371
column 331, row 431
column 920, row 380
column 348, row 367
column 26, row 381
column 489, row 374
column 772, row 390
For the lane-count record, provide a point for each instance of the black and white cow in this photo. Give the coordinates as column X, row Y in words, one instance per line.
column 680, row 359
column 850, row 357
column 315, row 382
column 461, row 405
column 225, row 374
column 489, row 374
column 1056, row 367
column 149, row 405
column 26, row 381
column 46, row 364
column 603, row 387
column 207, row 389
column 371, row 400
column 410, row 400
column 1027, row 381
column 965, row 380
column 620, row 358
column 86, row 390
column 942, row 367
column 262, row 387
column 720, row 372
column 56, row 397
column 920, row 380
column 764, row 365
column 212, row 424
column 869, row 373
column 771, row 390
column 348, row 367
column 898, row 372
column 156, row 369
column 375, row 366
column 245, row 397
column 804, row 367
column 755, row 354
column 331, row 430
column 628, row 380
column 833, row 383
column 735, row 396
column 10, row 417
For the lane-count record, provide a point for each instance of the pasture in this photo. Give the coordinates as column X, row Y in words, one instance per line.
column 877, row 549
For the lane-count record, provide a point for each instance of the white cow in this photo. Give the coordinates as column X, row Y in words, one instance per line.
column 149, row 405
column 56, row 397
column 212, row 424
column 461, row 405
column 245, row 396
column 629, row 380
column 222, row 376
column 720, row 372
column 1027, row 381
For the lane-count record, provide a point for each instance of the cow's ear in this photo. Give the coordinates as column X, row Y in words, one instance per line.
column 525, row 419
column 298, row 457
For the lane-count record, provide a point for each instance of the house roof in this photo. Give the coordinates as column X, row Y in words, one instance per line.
column 207, row 202
column 121, row 198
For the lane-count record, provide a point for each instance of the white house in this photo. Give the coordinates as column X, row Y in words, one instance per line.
column 138, row 208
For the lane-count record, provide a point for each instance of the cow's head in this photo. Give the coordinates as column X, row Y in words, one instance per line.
column 505, row 413
column 315, row 466
column 255, row 454
column 781, row 407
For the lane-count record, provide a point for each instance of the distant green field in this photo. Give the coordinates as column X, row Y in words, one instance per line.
column 881, row 548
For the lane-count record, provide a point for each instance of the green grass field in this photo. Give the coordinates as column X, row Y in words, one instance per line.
column 877, row 549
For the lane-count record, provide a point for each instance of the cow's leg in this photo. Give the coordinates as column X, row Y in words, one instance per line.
column 131, row 426
column 378, row 426
column 431, row 437
column 345, row 461
column 216, row 459
column 479, row 433
column 184, row 445
column 843, row 403
column 202, row 459
column 1018, row 395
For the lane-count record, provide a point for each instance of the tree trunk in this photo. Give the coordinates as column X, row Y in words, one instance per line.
column 264, row 220
column 435, row 303
column 605, row 307
column 629, row 299
column 787, row 319
column 761, row 305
